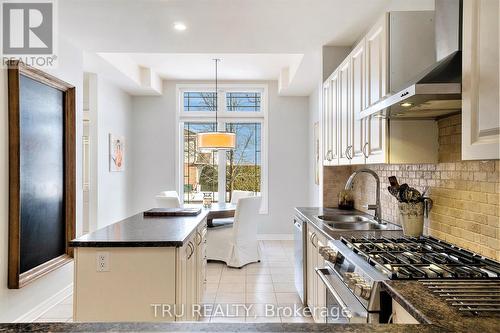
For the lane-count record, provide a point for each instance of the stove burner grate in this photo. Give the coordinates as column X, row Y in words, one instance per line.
column 469, row 297
column 422, row 258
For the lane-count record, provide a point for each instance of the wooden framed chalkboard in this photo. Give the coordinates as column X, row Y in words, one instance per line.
column 41, row 173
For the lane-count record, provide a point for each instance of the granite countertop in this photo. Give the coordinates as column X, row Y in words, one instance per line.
column 311, row 215
column 217, row 327
column 140, row 231
column 426, row 307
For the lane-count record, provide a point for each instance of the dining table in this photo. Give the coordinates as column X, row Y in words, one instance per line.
column 217, row 210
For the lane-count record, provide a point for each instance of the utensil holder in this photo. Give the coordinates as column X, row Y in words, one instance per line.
column 411, row 217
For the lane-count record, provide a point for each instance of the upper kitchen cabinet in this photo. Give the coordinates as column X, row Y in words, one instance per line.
column 380, row 64
column 377, row 61
column 480, row 80
column 358, row 140
column 330, row 146
column 344, row 125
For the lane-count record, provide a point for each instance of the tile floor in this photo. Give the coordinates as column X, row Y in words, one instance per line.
column 259, row 292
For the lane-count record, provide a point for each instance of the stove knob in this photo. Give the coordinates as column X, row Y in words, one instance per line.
column 358, row 288
column 366, row 290
column 331, row 255
column 349, row 276
column 353, row 280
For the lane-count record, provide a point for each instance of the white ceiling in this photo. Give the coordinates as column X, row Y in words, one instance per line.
column 256, row 38
column 197, row 66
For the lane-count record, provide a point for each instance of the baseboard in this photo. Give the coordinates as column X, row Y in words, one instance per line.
column 275, row 236
column 45, row 306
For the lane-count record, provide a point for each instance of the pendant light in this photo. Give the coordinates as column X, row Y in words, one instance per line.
column 216, row 139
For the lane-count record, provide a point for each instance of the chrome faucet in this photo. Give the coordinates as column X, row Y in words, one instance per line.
column 377, row 207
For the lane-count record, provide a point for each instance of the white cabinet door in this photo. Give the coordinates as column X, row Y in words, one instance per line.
column 357, row 102
column 327, row 124
column 376, row 54
column 376, row 61
column 344, row 119
column 334, row 102
column 181, row 285
column 201, row 258
column 310, row 262
column 320, row 286
column 191, row 282
column 186, row 281
column 376, row 143
column 480, row 80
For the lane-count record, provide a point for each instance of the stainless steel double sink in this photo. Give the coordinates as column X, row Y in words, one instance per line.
column 350, row 221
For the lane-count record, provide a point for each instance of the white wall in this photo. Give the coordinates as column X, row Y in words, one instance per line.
column 15, row 303
column 154, row 120
column 154, row 128
column 114, row 189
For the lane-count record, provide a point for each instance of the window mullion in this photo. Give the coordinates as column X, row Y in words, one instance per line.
column 222, row 169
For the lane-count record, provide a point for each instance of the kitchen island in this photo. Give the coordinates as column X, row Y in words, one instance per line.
column 141, row 269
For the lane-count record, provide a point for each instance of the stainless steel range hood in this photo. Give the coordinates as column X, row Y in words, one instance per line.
column 437, row 91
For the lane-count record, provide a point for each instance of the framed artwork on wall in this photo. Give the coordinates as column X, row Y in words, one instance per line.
column 116, row 153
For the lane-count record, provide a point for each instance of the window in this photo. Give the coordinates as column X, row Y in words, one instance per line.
column 199, row 168
column 243, row 164
column 199, row 101
column 242, row 110
column 243, row 101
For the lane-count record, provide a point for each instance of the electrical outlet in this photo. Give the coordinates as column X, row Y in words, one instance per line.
column 102, row 260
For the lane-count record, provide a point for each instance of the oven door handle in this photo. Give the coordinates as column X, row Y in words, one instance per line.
column 322, row 275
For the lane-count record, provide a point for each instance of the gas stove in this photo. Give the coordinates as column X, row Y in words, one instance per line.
column 422, row 258
column 354, row 269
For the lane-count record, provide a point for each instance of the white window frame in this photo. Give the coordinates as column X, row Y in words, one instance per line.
column 223, row 118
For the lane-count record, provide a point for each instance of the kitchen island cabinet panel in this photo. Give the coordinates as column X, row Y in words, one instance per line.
column 136, row 278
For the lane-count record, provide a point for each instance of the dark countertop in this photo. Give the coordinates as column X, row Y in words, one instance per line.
column 310, row 214
column 140, row 231
column 216, row 327
column 424, row 306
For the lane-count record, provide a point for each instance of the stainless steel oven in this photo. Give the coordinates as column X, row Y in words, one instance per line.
column 352, row 286
column 341, row 305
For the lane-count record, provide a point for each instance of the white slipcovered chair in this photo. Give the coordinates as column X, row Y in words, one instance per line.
column 235, row 196
column 168, row 199
column 236, row 244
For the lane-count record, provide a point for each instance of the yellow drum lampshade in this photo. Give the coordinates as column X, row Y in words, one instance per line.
column 216, row 140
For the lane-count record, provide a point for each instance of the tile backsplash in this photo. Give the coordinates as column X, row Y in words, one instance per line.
column 466, row 199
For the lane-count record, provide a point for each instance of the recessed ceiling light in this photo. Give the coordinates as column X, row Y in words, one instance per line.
column 179, row 26
column 406, row 104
